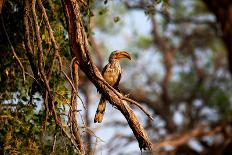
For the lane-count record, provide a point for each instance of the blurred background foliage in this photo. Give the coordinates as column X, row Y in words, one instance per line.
column 179, row 72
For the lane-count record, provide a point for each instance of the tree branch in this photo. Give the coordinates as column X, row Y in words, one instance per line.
column 49, row 29
column 80, row 50
column 223, row 13
column 73, row 118
column 48, row 94
column 203, row 130
column 13, row 51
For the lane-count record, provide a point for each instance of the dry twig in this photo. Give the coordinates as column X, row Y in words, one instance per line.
column 13, row 51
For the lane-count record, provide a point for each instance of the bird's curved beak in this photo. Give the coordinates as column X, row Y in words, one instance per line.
column 123, row 54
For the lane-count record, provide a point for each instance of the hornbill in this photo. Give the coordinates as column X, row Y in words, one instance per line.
column 112, row 74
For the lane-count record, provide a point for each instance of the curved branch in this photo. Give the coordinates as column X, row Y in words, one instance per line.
column 80, row 50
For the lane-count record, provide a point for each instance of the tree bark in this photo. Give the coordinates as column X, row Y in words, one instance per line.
column 223, row 12
column 73, row 110
column 80, row 51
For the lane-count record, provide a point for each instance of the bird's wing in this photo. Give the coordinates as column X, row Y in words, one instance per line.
column 117, row 82
column 104, row 69
column 108, row 70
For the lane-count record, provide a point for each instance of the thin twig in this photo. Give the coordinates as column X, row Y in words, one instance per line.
column 31, row 76
column 41, row 69
column 79, row 111
column 66, row 100
column 95, row 146
column 138, row 105
column 64, row 143
column 12, row 49
column 50, row 31
column 54, row 144
column 90, row 131
column 74, row 127
column 70, row 138
column 71, row 64
column 69, row 80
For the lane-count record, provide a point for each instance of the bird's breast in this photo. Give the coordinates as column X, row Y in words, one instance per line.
column 112, row 73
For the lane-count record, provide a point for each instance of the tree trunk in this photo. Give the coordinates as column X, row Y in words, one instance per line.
column 223, row 12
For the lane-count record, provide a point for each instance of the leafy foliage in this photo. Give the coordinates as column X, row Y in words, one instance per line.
column 24, row 128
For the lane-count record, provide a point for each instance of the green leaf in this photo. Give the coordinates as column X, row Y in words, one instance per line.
column 103, row 11
column 24, row 98
column 43, row 37
column 37, row 99
column 116, row 19
column 135, row 55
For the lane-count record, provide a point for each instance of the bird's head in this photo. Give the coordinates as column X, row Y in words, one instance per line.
column 119, row 54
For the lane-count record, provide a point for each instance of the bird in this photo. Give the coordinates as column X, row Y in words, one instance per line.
column 112, row 74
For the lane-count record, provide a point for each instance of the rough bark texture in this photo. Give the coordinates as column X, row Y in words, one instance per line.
column 73, row 111
column 42, row 73
column 223, row 12
column 1, row 5
column 79, row 49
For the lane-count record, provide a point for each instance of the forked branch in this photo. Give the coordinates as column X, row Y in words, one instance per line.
column 80, row 50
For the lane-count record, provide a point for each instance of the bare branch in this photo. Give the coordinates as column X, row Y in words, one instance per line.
column 51, row 36
column 48, row 94
column 13, row 51
column 180, row 139
column 73, row 118
column 140, row 107
column 54, row 143
column 79, row 49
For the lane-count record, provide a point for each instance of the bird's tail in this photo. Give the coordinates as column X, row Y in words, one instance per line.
column 100, row 111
